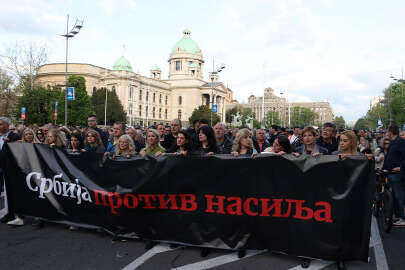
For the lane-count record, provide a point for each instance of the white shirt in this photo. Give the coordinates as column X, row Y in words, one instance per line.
column 1, row 139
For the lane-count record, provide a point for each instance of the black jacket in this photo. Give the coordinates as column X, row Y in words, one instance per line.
column 332, row 147
column 322, row 150
column 264, row 146
column 225, row 147
column 395, row 155
column 169, row 140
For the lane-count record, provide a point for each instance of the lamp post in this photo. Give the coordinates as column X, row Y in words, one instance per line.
column 105, row 109
column 283, row 112
column 213, row 73
column 69, row 34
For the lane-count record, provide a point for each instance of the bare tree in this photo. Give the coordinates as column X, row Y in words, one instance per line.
column 23, row 61
column 8, row 96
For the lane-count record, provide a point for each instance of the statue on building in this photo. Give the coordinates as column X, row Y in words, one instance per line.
column 236, row 119
column 249, row 121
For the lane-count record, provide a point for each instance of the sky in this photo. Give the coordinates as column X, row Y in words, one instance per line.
column 338, row 51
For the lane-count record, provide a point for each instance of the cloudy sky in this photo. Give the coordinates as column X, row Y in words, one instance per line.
column 339, row 51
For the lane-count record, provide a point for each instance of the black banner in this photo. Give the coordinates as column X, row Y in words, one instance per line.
column 317, row 207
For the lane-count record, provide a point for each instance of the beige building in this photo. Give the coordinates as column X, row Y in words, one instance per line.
column 152, row 100
column 274, row 103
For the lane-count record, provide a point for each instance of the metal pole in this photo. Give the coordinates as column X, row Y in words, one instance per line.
column 105, row 109
column 289, row 116
column 212, row 90
column 66, row 68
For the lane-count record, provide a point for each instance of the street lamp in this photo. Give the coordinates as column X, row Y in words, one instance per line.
column 69, row 34
column 213, row 73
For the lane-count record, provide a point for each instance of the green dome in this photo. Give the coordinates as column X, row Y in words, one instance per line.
column 155, row 67
column 194, row 65
column 186, row 45
column 122, row 64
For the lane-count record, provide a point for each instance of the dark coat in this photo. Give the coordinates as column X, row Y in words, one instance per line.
column 332, row 147
column 264, row 146
column 322, row 150
column 225, row 147
column 395, row 155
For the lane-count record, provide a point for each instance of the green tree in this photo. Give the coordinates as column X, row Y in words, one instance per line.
column 115, row 110
column 339, row 122
column 78, row 109
column 204, row 111
column 301, row 116
column 39, row 104
column 361, row 123
column 272, row 118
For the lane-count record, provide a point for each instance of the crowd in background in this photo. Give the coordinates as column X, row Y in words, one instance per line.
column 120, row 141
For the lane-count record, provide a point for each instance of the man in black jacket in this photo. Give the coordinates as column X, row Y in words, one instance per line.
column 327, row 140
column 6, row 136
column 223, row 142
column 170, row 139
column 259, row 142
column 92, row 123
column 393, row 161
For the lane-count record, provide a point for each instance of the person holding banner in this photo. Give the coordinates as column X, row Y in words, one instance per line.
column 6, row 136
column 28, row 136
column 208, row 144
column 243, row 144
column 76, row 144
column 93, row 142
column 183, row 145
column 125, row 147
column 54, row 138
column 153, row 146
column 309, row 146
column 347, row 144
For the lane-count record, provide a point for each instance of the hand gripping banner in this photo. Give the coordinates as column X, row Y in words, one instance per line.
column 318, row 207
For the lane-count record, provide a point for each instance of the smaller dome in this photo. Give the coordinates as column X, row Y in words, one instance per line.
column 194, row 65
column 155, row 68
column 122, row 64
column 186, row 45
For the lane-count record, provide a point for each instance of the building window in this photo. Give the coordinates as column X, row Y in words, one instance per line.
column 94, row 89
column 147, row 96
column 146, row 113
column 166, row 114
column 130, row 109
column 178, row 65
column 153, row 112
column 113, row 88
column 193, row 73
column 154, row 97
column 130, row 92
column 140, row 94
column 166, row 100
column 179, row 114
column 160, row 113
column 140, row 110
column 160, row 99
column 180, row 100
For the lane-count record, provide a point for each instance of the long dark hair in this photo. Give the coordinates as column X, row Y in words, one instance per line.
column 284, row 142
column 188, row 145
column 212, row 143
column 79, row 138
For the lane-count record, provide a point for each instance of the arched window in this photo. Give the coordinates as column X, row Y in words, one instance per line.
column 153, row 112
column 180, row 100
column 179, row 114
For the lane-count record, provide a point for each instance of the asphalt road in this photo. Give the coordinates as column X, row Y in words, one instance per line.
column 55, row 247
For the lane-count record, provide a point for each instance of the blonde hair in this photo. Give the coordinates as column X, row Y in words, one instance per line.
column 154, row 131
column 243, row 133
column 34, row 139
column 131, row 147
column 353, row 140
column 95, row 134
column 60, row 141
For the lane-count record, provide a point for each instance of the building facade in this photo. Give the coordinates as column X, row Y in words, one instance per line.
column 150, row 100
column 274, row 103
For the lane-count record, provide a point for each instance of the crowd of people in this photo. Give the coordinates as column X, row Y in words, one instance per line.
column 120, row 141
